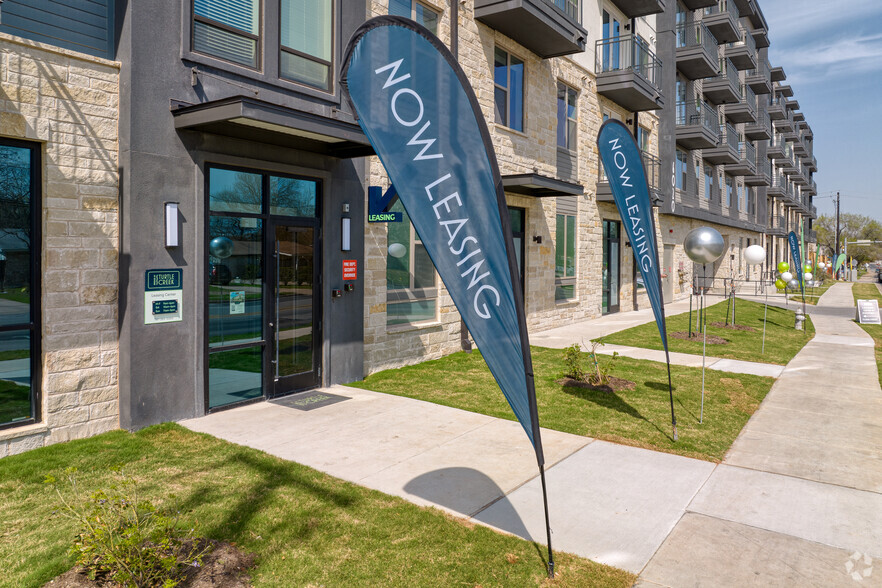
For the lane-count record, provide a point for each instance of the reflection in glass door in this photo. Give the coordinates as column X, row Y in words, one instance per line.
column 517, row 216
column 611, row 259
column 296, row 319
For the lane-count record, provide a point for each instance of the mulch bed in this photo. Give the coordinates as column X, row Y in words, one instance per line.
column 615, row 384
column 721, row 325
column 698, row 337
column 226, row 566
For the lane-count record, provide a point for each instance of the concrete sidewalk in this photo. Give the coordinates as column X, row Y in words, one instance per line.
column 797, row 502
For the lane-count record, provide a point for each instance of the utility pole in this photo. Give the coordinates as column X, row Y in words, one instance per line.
column 836, row 253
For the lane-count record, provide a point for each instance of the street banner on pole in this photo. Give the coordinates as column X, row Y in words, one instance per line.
column 627, row 180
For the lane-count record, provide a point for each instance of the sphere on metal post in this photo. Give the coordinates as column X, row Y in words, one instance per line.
column 704, row 245
column 783, row 266
column 755, row 255
column 793, row 284
column 808, row 276
column 221, row 247
column 787, row 276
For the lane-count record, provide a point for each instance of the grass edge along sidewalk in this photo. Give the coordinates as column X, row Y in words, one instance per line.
column 783, row 342
column 871, row 292
column 639, row 417
column 306, row 528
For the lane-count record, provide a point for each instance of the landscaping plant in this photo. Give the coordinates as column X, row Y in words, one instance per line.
column 125, row 539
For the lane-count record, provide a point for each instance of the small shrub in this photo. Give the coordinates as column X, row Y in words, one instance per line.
column 573, row 362
column 124, row 538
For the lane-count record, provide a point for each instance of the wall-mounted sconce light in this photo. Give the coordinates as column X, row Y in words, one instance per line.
column 537, row 239
column 171, row 224
column 345, row 233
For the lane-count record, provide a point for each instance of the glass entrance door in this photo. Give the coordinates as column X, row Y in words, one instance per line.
column 611, row 259
column 294, row 317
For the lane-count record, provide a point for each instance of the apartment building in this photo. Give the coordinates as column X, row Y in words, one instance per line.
column 191, row 231
column 59, row 225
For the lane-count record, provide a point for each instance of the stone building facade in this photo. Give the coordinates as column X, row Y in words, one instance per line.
column 65, row 104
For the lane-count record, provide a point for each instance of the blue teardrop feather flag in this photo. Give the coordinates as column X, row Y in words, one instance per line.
column 627, row 181
column 793, row 240
column 419, row 112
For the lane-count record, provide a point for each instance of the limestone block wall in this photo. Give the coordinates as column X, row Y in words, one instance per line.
column 532, row 151
column 69, row 103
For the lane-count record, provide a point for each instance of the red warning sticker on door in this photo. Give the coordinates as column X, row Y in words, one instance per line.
column 350, row 269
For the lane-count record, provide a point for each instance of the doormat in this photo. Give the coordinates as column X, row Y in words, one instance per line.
column 309, row 400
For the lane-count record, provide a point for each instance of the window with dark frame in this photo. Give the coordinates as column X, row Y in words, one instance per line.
column 20, row 180
column 565, row 250
column 411, row 279
column 566, row 116
column 306, row 39
column 228, row 29
column 416, row 11
column 508, row 80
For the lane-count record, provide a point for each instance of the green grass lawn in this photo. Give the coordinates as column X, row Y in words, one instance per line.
column 306, row 528
column 871, row 292
column 782, row 340
column 812, row 295
column 641, row 417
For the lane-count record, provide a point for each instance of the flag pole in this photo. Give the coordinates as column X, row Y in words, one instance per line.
column 547, row 523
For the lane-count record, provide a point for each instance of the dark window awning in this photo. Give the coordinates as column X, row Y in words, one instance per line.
column 255, row 120
column 540, row 186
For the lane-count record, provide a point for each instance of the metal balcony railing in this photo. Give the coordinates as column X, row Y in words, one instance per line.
column 728, row 70
column 746, row 40
column 747, row 151
column 652, row 167
column 694, row 34
column 698, row 112
column 729, row 136
column 763, row 120
column 763, row 69
column 814, row 210
column 748, row 96
column 763, row 166
column 779, row 180
column 568, row 7
column 777, row 100
column 723, row 6
column 628, row 52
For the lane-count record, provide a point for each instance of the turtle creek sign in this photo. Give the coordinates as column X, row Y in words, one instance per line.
column 163, row 296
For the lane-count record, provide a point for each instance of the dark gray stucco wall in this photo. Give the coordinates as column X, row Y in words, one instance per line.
column 162, row 366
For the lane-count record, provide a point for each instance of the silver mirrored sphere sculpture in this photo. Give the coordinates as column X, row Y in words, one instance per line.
column 704, row 245
column 221, row 247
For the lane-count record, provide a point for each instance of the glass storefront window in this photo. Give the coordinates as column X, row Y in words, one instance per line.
column 235, row 191
column 19, row 317
column 235, row 278
column 410, row 275
column 235, row 375
column 292, row 197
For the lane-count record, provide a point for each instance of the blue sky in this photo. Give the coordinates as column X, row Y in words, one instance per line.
column 831, row 51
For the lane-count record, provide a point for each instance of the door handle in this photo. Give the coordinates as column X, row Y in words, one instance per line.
column 271, row 325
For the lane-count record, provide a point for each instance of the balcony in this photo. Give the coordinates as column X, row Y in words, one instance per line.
column 746, row 165
column 698, row 4
column 629, row 73
column 813, row 212
column 763, row 174
column 778, row 74
column 724, row 88
column 811, row 189
column 759, row 79
column 777, row 226
column 787, row 163
column 777, row 111
column 761, row 130
column 726, row 152
column 784, row 90
column 778, row 185
column 742, row 52
column 722, row 20
column 635, row 8
column 697, row 51
column 698, row 125
column 776, row 148
column 782, row 124
column 800, row 178
column 548, row 28
column 761, row 37
column 811, row 164
column 745, row 110
column 799, row 145
column 792, row 105
column 811, row 235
